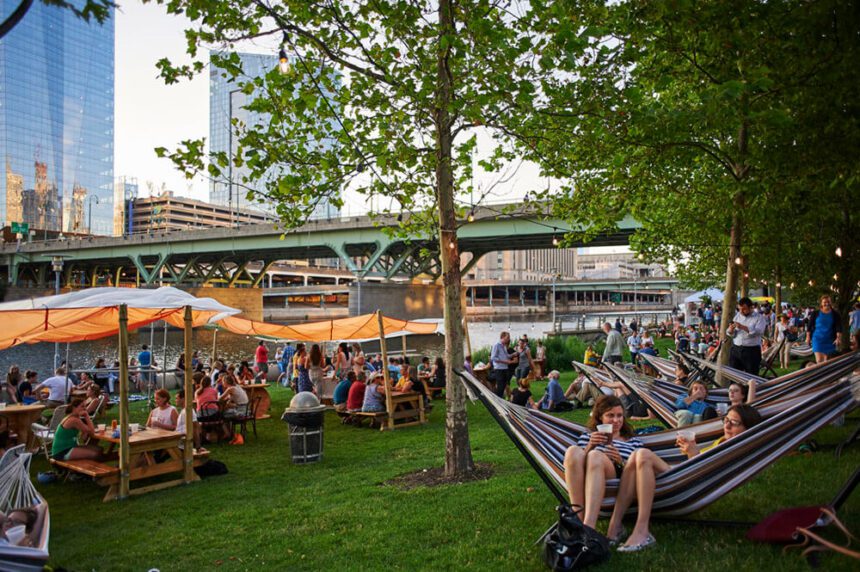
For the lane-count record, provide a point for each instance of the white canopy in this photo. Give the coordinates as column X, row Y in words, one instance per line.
column 712, row 293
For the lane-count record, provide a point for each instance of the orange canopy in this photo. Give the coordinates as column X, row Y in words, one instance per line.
column 357, row 328
column 79, row 324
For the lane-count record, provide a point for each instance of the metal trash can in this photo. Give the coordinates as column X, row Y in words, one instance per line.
column 304, row 417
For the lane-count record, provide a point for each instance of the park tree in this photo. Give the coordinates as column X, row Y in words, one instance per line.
column 673, row 115
column 382, row 97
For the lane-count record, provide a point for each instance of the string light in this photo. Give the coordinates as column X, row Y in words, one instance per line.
column 812, row 282
column 451, row 244
column 779, row 285
column 554, row 240
column 738, row 261
column 283, row 62
column 746, row 274
column 839, row 251
column 791, row 285
column 471, row 217
column 836, row 277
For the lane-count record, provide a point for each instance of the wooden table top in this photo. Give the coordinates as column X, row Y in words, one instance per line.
column 20, row 408
column 253, row 385
column 143, row 436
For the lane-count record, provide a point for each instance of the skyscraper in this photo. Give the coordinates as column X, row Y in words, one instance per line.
column 57, row 122
column 225, row 98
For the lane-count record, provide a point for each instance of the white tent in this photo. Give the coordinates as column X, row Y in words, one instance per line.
column 712, row 293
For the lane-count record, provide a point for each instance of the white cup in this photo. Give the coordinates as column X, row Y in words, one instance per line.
column 2, row 405
column 605, row 428
column 687, row 436
column 100, row 427
column 722, row 408
column 135, row 427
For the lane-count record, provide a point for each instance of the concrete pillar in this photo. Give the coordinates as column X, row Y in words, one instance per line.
column 522, row 296
column 270, row 280
column 490, row 290
column 472, row 295
column 306, row 279
column 537, row 296
column 507, row 296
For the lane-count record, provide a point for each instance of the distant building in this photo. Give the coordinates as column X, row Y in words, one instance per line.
column 125, row 191
column 226, row 101
column 617, row 265
column 167, row 213
column 533, row 265
column 57, row 123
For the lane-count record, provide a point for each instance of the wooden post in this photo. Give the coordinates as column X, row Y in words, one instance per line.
column 188, row 453
column 466, row 335
column 124, row 459
column 389, row 406
column 214, row 345
column 403, row 343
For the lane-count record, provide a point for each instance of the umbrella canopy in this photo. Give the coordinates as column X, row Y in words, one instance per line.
column 712, row 293
column 94, row 313
column 356, row 328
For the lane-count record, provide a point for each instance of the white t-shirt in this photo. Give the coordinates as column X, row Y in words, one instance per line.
column 180, row 422
column 57, row 385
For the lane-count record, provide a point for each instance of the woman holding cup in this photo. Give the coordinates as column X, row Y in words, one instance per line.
column 598, row 455
column 639, row 479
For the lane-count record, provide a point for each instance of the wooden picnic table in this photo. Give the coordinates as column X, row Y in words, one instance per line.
column 142, row 446
column 255, row 390
column 19, row 417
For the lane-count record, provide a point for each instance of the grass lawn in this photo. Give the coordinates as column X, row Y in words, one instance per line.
column 268, row 514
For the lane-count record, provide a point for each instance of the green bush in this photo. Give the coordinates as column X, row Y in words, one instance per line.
column 560, row 351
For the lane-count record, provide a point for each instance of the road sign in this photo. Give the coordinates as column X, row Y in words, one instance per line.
column 22, row 227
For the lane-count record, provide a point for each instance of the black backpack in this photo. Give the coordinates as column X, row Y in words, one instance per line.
column 573, row 546
column 211, row 468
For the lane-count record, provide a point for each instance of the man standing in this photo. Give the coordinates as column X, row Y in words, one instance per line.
column 746, row 329
column 287, row 361
column 145, row 361
column 614, row 345
column 499, row 363
column 634, row 342
column 261, row 360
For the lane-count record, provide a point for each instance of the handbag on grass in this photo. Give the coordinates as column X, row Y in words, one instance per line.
column 573, row 546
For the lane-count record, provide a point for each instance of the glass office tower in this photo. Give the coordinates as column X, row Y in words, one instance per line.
column 225, row 100
column 57, row 122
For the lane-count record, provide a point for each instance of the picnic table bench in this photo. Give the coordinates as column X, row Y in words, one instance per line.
column 408, row 409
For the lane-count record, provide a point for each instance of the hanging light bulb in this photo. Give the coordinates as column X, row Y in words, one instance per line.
column 471, row 217
column 554, row 240
column 791, row 285
column 812, row 282
column 738, row 261
column 746, row 274
column 451, row 244
column 283, row 62
column 839, row 251
column 779, row 285
column 836, row 277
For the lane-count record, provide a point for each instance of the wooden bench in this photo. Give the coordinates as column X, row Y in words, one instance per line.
column 375, row 417
column 432, row 392
column 88, row 467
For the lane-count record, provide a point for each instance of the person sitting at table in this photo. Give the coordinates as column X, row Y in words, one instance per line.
column 235, row 404
column 56, row 385
column 13, row 379
column 8, row 393
column 77, row 422
column 437, row 374
column 99, row 375
column 341, row 392
column 25, row 388
column 393, row 369
column 692, row 408
column 425, row 369
column 86, row 381
column 404, row 381
column 374, row 395
column 467, row 364
column 204, row 394
column 93, row 400
column 164, row 415
column 245, row 374
column 180, row 423
column 355, row 398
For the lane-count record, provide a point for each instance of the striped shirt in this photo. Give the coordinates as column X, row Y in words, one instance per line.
column 625, row 448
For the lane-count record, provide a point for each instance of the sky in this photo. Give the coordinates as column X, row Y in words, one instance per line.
column 150, row 114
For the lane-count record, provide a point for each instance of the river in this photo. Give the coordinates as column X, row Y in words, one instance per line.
column 231, row 347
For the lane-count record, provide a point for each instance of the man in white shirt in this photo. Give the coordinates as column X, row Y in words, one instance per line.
column 180, row 422
column 746, row 329
column 57, row 387
column 614, row 351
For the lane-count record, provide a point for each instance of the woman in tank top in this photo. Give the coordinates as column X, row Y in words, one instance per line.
column 316, row 368
column 358, row 359
column 342, row 362
column 164, row 415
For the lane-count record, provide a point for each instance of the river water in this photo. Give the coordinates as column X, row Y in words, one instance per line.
column 231, row 347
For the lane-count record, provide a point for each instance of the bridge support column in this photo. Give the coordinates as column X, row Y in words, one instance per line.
column 537, row 296
column 507, row 296
column 490, row 291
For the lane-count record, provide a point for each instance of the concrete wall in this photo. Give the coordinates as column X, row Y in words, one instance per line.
column 249, row 300
column 406, row 301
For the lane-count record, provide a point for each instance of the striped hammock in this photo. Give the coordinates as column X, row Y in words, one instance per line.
column 660, row 397
column 801, row 350
column 691, row 484
column 17, row 492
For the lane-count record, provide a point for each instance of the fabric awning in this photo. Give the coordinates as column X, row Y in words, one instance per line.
column 356, row 328
column 94, row 313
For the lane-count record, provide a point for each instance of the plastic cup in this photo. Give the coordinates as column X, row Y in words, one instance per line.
column 2, row 405
column 722, row 408
column 606, row 429
column 100, row 427
column 135, row 427
column 687, row 436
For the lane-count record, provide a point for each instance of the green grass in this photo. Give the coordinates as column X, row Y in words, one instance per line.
column 268, row 514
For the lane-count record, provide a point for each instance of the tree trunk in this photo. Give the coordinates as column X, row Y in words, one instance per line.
column 732, row 271
column 458, row 452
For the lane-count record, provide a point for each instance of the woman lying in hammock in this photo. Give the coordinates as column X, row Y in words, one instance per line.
column 641, row 472
column 597, row 457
